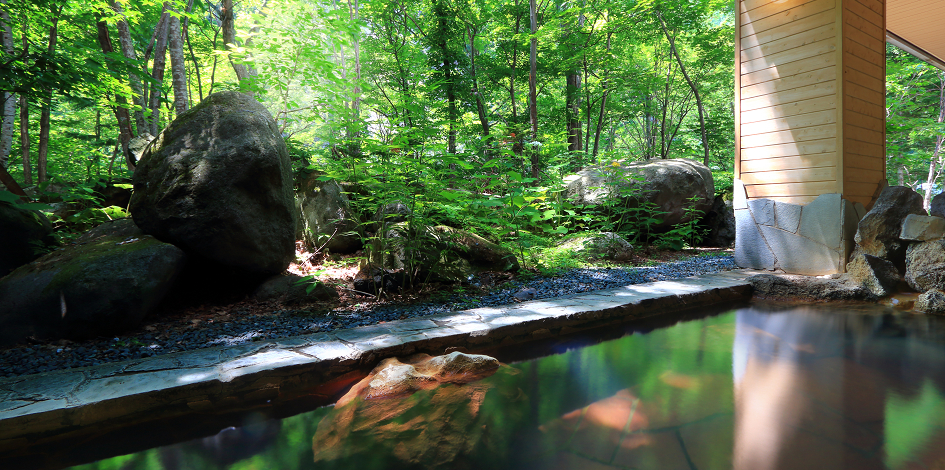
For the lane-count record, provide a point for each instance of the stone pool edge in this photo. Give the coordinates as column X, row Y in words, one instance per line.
column 48, row 406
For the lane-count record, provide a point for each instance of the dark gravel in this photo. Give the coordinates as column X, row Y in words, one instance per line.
column 286, row 323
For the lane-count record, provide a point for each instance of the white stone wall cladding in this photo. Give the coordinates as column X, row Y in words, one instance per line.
column 815, row 239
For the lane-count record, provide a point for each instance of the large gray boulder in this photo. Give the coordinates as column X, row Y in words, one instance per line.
column 925, row 265
column 795, row 286
column 325, row 216
column 876, row 274
column 217, row 183
column 24, row 234
column 103, row 284
column 669, row 184
column 878, row 232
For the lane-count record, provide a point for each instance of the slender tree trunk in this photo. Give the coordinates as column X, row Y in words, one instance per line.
column 147, row 91
column 480, row 107
column 572, row 91
column 12, row 185
column 157, row 73
column 121, row 112
column 128, row 51
column 518, row 24
column 193, row 57
column 9, row 99
column 229, row 39
column 47, row 100
column 532, row 82
column 603, row 101
column 936, row 163
column 178, row 66
column 692, row 85
column 25, row 140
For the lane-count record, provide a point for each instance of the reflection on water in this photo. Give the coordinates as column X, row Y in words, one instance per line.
column 768, row 387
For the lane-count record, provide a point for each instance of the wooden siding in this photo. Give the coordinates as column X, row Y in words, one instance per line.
column 788, row 56
column 810, row 77
column 864, row 101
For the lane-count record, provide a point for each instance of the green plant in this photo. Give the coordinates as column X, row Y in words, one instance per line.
column 687, row 232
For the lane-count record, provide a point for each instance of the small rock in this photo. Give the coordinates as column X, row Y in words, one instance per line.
column 932, row 301
column 925, row 265
column 876, row 274
column 525, row 294
column 922, row 228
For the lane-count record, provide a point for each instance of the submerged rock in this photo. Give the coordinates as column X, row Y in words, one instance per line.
column 876, row 274
column 104, row 284
column 878, row 232
column 932, row 301
column 414, row 420
column 796, row 286
column 24, row 234
column 217, row 183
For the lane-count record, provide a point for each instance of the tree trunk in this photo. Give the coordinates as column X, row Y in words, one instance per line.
column 193, row 57
column 178, row 66
column 229, row 39
column 936, row 163
column 603, row 101
column 9, row 99
column 47, row 100
column 128, row 51
column 532, row 82
column 157, row 73
column 480, row 107
column 121, row 112
column 146, row 96
column 572, row 92
column 25, row 140
column 692, row 85
column 11, row 184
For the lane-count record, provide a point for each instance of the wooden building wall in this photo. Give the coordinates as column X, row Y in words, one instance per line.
column 806, row 116
column 864, row 98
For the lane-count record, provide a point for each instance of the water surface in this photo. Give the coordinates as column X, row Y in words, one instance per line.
column 766, row 387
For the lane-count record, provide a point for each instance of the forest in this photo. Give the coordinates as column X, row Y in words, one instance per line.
column 460, row 107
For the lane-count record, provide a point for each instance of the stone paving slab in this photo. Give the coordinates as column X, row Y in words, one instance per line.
column 35, row 408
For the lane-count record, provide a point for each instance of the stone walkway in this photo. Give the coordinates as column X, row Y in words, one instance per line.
column 43, row 407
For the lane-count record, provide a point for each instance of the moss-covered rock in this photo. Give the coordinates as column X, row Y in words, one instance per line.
column 217, row 183
column 105, row 283
column 23, row 235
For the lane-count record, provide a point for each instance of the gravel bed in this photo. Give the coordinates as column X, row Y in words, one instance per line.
column 286, row 323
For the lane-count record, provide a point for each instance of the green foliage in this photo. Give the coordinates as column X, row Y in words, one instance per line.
column 685, row 233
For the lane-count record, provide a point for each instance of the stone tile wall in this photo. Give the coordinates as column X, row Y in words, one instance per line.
column 813, row 239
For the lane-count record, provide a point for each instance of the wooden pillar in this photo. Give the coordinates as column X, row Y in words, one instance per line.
column 809, row 119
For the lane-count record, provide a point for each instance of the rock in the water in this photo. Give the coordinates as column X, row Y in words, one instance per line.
column 433, row 427
column 925, row 265
column 24, row 234
column 393, row 378
column 922, row 228
column 325, row 216
column 104, row 284
column 719, row 223
column 932, row 301
column 607, row 245
column 795, row 286
column 878, row 232
column 291, row 290
column 669, row 184
column 876, row 274
column 217, row 182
